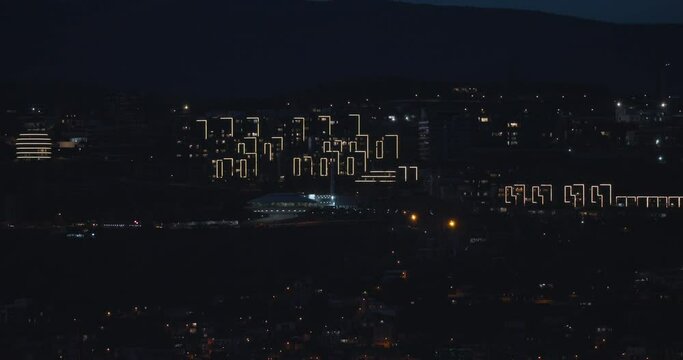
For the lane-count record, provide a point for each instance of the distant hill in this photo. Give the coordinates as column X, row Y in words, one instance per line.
column 263, row 47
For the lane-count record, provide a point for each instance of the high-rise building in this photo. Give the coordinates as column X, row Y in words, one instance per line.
column 34, row 146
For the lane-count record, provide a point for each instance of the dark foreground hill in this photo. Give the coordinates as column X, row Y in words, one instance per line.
column 261, row 47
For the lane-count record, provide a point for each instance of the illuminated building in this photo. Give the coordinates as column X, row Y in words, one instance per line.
column 512, row 133
column 258, row 148
column 582, row 195
column 33, row 146
column 324, row 200
column 444, row 129
column 71, row 135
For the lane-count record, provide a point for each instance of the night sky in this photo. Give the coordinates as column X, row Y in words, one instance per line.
column 627, row 11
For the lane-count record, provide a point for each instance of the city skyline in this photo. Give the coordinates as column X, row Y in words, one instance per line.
column 342, row 180
column 619, row 11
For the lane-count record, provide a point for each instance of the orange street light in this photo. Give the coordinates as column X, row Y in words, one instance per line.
column 452, row 223
column 413, row 217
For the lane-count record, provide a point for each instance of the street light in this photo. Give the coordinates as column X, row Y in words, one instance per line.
column 413, row 217
column 452, row 223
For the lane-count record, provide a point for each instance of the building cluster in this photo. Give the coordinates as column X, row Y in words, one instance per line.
column 402, row 313
column 465, row 145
